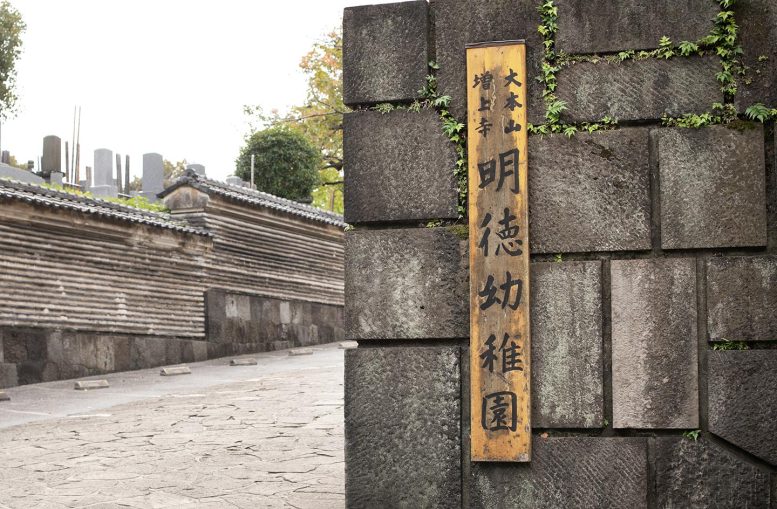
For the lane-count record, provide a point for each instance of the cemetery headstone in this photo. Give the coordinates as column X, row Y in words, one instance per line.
column 103, row 183
column 153, row 175
column 52, row 155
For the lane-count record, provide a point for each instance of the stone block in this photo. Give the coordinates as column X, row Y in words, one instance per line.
column 215, row 318
column 567, row 472
column 385, row 52
column 590, row 192
column 757, row 20
column 147, row 352
column 654, row 343
column 216, row 350
column 712, row 187
column 701, row 474
column 406, row 284
column 173, row 351
column 27, row 349
column 742, row 392
column 460, row 22
column 243, row 362
column 638, row 89
column 88, row 385
column 237, row 307
column 175, row 371
column 285, row 312
column 400, row 167
column 402, row 427
column 566, row 337
column 742, row 298
column 194, row 351
column 80, row 354
column 122, row 353
column 8, row 375
column 602, row 26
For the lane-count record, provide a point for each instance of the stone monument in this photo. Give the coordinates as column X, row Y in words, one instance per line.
column 52, row 155
column 234, row 180
column 153, row 175
column 103, row 184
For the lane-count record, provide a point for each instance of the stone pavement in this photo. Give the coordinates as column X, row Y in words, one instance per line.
column 269, row 435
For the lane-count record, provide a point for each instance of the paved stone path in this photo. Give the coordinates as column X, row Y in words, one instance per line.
column 249, row 437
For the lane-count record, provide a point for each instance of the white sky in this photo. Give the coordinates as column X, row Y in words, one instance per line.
column 166, row 76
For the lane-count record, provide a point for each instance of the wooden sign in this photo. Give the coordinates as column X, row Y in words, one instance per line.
column 500, row 368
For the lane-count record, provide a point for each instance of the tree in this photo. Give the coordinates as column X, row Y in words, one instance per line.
column 285, row 162
column 16, row 164
column 320, row 118
column 172, row 171
column 11, row 28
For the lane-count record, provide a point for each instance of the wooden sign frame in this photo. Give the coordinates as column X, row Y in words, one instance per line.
column 500, row 345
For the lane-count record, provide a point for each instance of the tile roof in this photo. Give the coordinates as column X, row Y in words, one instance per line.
column 37, row 195
column 257, row 198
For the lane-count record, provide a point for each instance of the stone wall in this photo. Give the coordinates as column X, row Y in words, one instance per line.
column 34, row 354
column 89, row 287
column 654, row 261
column 241, row 323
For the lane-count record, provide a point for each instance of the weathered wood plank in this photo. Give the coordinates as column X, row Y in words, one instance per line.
column 499, row 253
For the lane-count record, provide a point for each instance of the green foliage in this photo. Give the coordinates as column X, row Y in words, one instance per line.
column 721, row 114
column 171, row 172
column 384, row 107
column 549, row 26
column 554, row 110
column 11, row 28
column 453, row 129
column 551, row 64
column 319, row 118
column 725, row 344
column 692, row 434
column 760, row 112
column 139, row 202
column 286, row 163
column 723, row 41
column 558, row 258
column 688, row 48
column 16, row 164
column 665, row 49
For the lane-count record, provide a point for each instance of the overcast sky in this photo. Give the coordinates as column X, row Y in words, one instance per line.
column 167, row 76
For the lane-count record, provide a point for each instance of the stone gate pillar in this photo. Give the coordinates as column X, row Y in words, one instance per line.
column 653, row 238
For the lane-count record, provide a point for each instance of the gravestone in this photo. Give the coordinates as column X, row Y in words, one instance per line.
column 233, row 180
column 52, row 155
column 103, row 183
column 153, row 175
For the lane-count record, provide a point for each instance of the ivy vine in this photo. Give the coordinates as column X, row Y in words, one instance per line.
column 722, row 41
column 454, row 130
